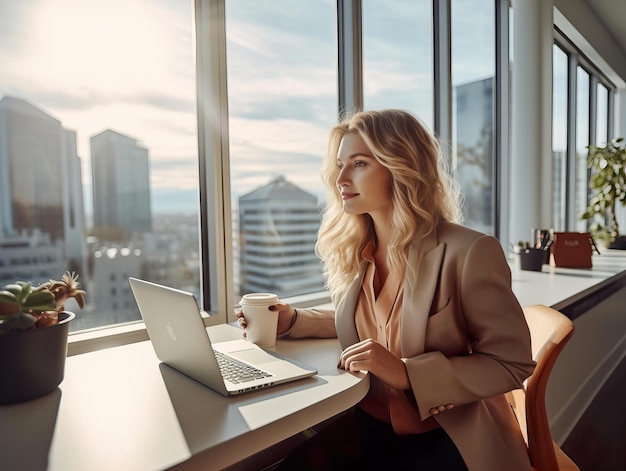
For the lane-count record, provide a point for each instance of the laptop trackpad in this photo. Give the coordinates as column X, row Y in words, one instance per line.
column 253, row 355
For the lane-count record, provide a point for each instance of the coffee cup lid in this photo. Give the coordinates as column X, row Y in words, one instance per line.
column 259, row 298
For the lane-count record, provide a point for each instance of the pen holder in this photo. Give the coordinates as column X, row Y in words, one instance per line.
column 532, row 259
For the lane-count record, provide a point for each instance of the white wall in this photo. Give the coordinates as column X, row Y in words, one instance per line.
column 587, row 361
column 579, row 22
column 531, row 119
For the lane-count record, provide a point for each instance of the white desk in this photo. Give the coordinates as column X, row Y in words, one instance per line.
column 118, row 409
column 562, row 288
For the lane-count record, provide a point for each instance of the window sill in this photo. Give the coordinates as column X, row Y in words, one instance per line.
column 124, row 334
column 98, row 339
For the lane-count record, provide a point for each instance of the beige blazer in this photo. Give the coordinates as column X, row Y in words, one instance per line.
column 465, row 342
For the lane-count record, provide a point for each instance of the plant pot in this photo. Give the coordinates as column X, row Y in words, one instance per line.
column 619, row 243
column 32, row 362
column 532, row 259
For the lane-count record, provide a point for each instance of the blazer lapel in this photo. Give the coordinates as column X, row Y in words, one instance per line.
column 426, row 258
column 344, row 314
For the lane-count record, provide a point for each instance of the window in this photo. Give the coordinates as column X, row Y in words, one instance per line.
column 582, row 141
column 601, row 132
column 581, row 104
column 181, row 142
column 282, row 101
column 398, row 56
column 602, row 115
column 559, row 136
column 473, row 109
column 98, row 148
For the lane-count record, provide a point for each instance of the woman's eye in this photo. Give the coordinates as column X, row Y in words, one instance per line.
column 359, row 163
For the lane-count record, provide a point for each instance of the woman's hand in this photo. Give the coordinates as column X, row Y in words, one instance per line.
column 371, row 356
column 285, row 317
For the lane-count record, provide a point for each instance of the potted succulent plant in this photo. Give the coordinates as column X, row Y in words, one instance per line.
column 33, row 336
column 608, row 181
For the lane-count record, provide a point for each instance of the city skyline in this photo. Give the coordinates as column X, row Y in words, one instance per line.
column 128, row 66
column 62, row 56
column 142, row 85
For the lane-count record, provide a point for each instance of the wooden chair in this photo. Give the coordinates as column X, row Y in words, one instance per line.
column 549, row 331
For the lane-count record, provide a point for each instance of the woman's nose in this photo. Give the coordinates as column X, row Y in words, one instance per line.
column 341, row 177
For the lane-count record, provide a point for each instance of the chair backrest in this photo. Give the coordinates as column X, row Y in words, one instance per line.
column 549, row 332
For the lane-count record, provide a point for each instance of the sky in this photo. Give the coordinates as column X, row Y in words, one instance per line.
column 123, row 65
column 128, row 65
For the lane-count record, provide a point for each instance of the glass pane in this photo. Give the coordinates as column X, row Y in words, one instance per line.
column 602, row 136
column 582, row 141
column 98, row 148
column 473, row 74
column 559, row 136
column 398, row 56
column 282, row 91
column 602, row 116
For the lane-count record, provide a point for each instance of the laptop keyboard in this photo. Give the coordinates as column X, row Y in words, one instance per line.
column 237, row 372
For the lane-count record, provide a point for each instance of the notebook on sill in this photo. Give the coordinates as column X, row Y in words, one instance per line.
column 180, row 340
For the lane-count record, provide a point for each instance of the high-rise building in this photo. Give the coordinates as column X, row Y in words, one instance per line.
column 110, row 291
column 278, row 226
column 41, row 198
column 121, row 185
column 474, row 150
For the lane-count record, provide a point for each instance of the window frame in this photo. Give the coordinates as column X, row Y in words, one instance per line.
column 576, row 58
column 215, row 218
column 215, row 222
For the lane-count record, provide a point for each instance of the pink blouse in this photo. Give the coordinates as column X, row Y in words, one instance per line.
column 379, row 318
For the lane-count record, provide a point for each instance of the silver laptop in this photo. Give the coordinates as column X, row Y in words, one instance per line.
column 180, row 340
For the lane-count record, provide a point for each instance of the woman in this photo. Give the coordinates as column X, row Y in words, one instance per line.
column 422, row 303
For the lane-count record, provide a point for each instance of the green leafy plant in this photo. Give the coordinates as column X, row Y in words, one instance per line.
column 24, row 306
column 608, row 183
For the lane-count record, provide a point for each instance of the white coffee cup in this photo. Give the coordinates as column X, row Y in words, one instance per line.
column 261, row 322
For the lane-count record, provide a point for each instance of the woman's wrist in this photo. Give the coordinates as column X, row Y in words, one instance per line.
column 285, row 323
column 293, row 318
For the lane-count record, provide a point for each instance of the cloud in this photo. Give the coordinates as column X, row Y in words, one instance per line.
column 129, row 66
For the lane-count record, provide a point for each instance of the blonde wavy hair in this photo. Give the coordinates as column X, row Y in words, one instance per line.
column 423, row 193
